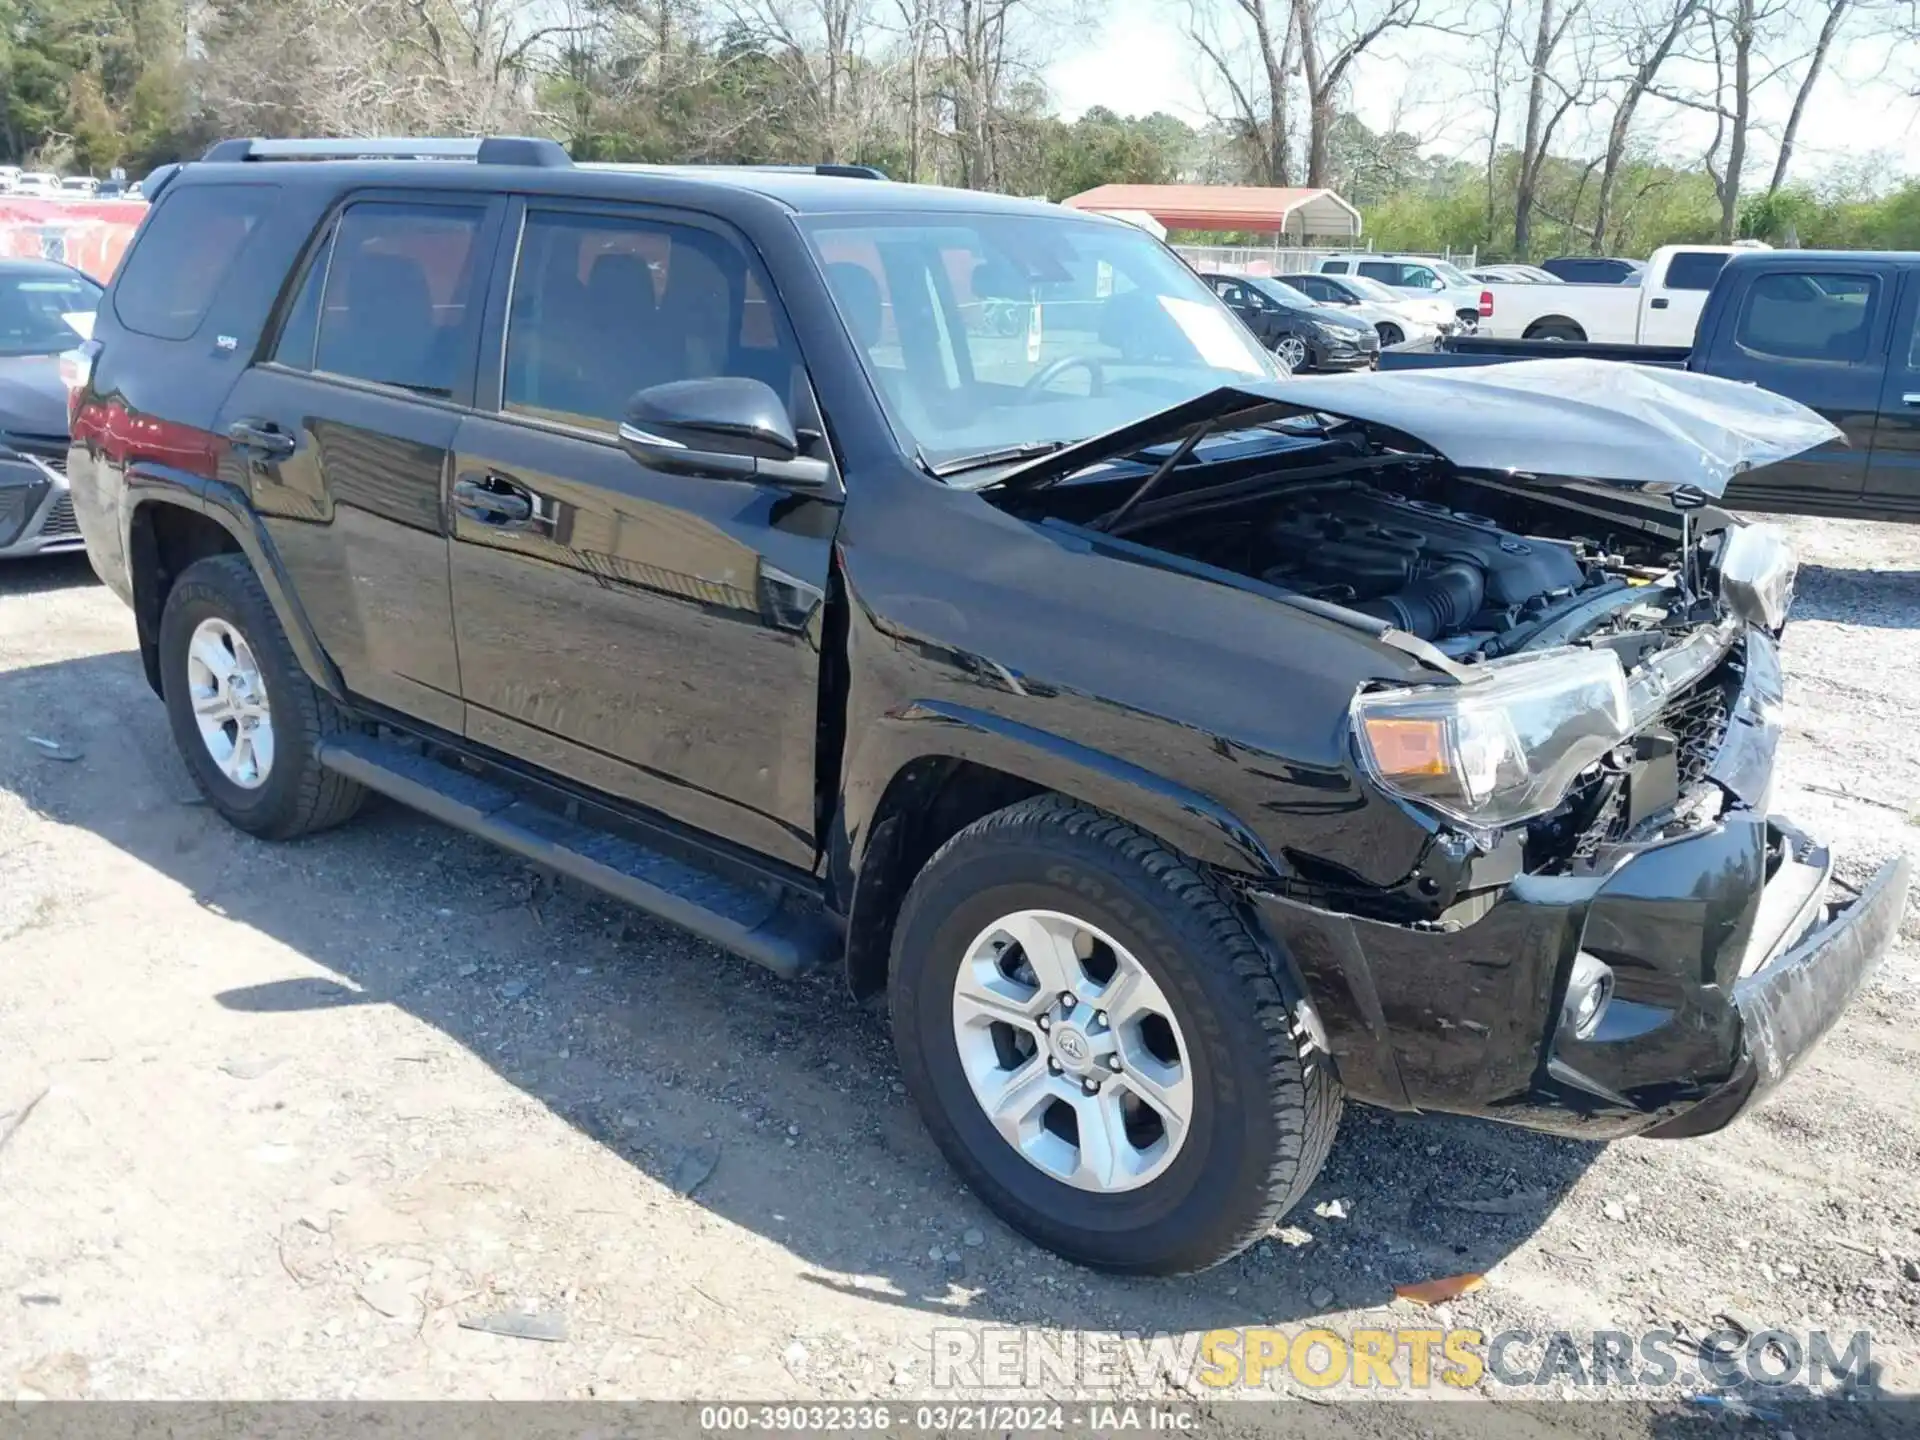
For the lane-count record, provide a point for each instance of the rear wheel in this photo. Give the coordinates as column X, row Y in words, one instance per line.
column 1099, row 1046
column 247, row 721
column 1390, row 334
column 1556, row 330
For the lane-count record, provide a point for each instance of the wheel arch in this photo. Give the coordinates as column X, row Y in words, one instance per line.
column 928, row 771
column 170, row 526
column 1538, row 328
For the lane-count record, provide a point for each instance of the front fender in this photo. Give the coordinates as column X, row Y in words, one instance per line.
column 924, row 730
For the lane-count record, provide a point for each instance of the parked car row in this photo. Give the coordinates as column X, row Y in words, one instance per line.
column 45, row 185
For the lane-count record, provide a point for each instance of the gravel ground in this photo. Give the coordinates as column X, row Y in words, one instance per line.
column 276, row 1120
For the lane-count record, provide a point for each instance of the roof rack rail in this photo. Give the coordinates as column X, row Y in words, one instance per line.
column 851, row 172
column 494, row 150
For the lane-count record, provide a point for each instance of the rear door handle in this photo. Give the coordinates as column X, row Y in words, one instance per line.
column 262, row 437
column 1912, row 397
column 494, row 501
column 1660, row 303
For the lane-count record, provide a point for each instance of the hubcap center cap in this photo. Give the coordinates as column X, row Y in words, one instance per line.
column 1071, row 1048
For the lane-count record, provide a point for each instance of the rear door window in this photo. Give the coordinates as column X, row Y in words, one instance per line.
column 397, row 306
column 1335, row 267
column 1695, row 269
column 1808, row 315
column 185, row 250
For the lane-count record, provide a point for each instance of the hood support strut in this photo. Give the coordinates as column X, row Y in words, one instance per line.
column 1147, row 486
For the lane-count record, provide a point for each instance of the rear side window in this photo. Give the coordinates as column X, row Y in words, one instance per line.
column 1808, row 315
column 1335, row 267
column 604, row 305
column 397, row 307
column 1695, row 269
column 185, row 250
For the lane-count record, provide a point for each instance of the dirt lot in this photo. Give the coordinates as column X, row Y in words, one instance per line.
column 277, row 1119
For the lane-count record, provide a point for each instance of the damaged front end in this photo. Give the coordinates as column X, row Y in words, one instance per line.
column 1609, row 930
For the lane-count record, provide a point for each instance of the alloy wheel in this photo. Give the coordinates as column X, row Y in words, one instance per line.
column 229, row 697
column 1072, row 1050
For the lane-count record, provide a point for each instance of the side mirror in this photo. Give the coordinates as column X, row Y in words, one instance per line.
column 722, row 427
column 1436, row 283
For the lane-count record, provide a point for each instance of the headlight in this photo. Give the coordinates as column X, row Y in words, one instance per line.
column 1757, row 569
column 1505, row 745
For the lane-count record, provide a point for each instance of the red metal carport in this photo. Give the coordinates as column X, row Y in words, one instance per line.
column 1295, row 214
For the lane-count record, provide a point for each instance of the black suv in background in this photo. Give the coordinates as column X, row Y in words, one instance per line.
column 1303, row 333
column 946, row 589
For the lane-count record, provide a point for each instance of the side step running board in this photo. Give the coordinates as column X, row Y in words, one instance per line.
column 754, row 922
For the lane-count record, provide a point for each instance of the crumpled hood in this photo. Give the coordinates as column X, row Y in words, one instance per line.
column 1572, row 419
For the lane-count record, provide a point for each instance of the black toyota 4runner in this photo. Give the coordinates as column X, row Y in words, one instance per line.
column 1180, row 747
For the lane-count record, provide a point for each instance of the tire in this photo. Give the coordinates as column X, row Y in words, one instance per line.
column 1294, row 352
column 1264, row 1105
column 1556, row 330
column 295, row 796
column 1391, row 334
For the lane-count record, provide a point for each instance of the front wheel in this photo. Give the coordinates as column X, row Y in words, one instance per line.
column 1099, row 1045
column 1293, row 350
column 1390, row 334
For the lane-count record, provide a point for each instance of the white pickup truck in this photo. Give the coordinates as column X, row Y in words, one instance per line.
column 1662, row 309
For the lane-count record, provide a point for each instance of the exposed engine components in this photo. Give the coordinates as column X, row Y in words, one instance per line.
column 1419, row 566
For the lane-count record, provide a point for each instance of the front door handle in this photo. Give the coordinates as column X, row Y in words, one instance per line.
column 1660, row 303
column 494, row 501
column 1912, row 397
column 262, row 437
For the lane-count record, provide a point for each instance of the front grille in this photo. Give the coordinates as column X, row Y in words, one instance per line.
column 49, row 450
column 1697, row 718
column 60, row 523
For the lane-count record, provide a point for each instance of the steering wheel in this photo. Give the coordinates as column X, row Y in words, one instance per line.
column 1053, row 370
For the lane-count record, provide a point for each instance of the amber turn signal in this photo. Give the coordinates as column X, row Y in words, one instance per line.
column 1407, row 747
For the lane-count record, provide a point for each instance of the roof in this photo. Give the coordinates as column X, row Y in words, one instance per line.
column 798, row 190
column 1296, row 212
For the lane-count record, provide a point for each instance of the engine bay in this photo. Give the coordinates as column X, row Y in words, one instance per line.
column 1474, row 585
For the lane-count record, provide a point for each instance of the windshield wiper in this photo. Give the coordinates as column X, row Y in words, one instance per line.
column 980, row 460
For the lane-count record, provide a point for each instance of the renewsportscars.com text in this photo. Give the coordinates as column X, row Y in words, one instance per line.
column 1403, row 1358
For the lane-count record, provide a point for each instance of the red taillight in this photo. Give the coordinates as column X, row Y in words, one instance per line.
column 1486, row 303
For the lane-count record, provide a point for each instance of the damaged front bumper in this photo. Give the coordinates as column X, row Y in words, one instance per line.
column 1729, row 953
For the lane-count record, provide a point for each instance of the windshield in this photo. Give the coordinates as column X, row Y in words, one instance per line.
column 1452, row 274
column 989, row 333
column 1280, row 294
column 45, row 313
column 1371, row 290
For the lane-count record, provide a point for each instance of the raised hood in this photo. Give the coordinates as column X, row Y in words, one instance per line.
column 1572, row 419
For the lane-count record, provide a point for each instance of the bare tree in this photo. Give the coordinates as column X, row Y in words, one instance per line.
column 1816, row 61
column 1332, row 36
column 821, row 47
column 1259, row 100
column 1499, row 37
column 1648, row 43
column 1549, row 97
